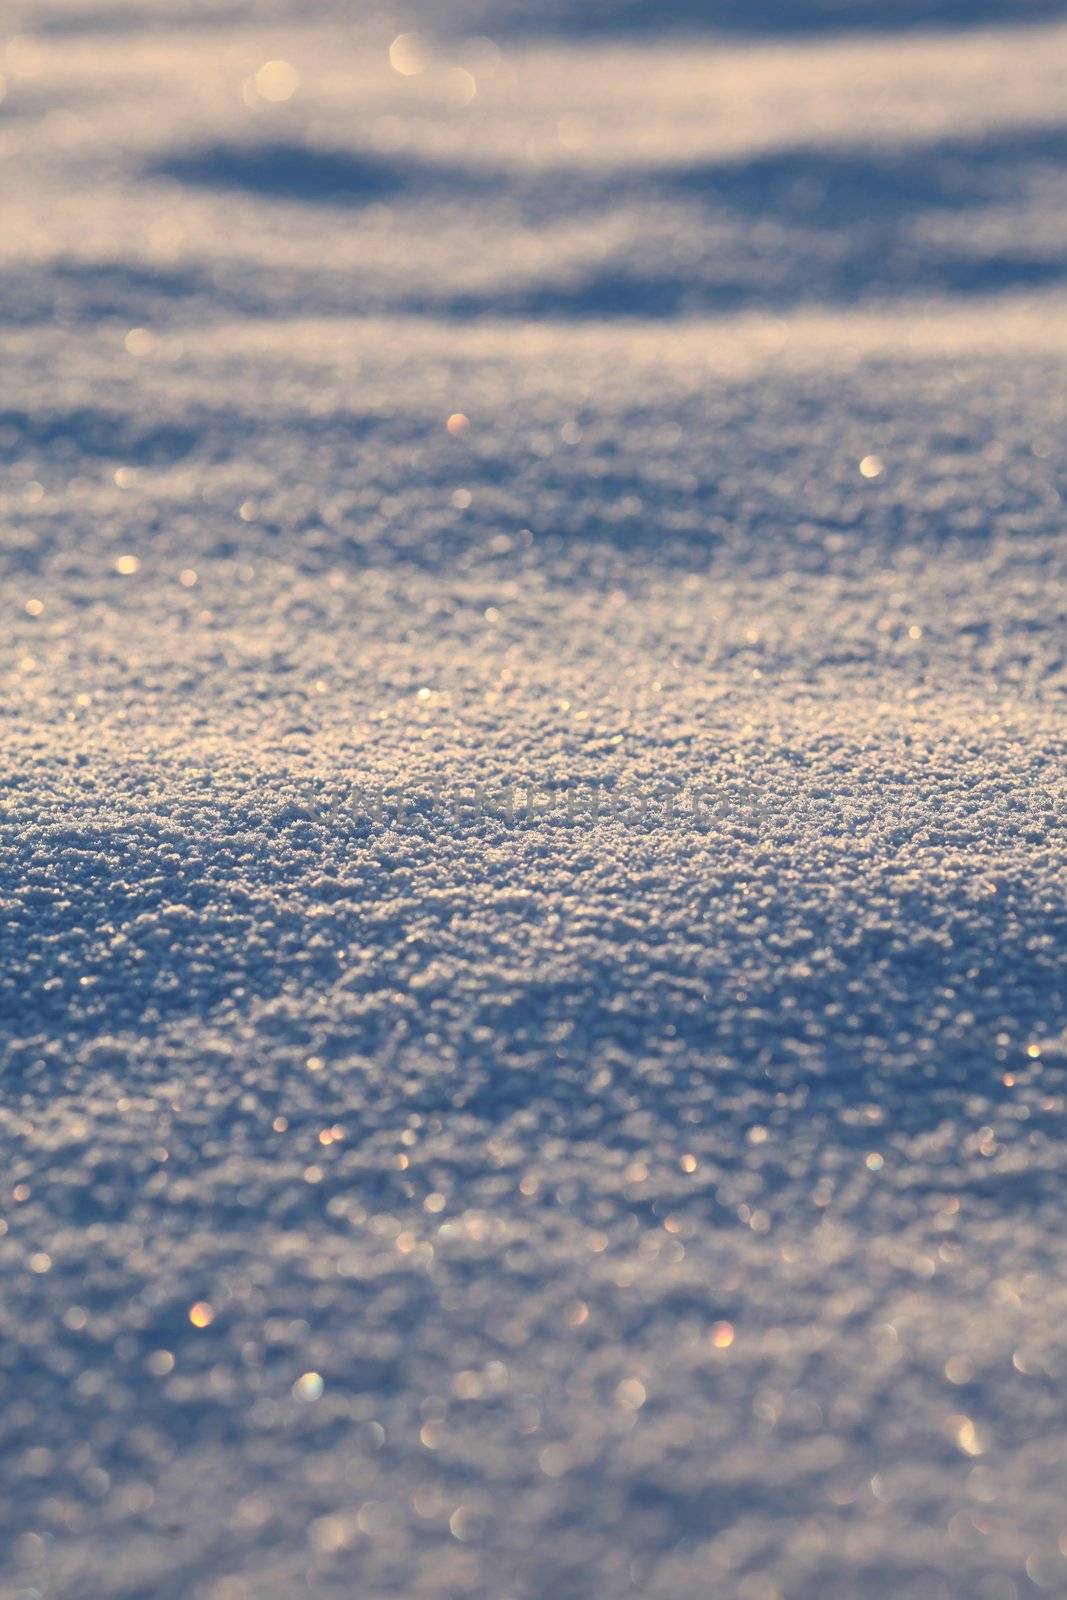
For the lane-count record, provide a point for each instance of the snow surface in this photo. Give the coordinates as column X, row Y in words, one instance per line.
column 464, row 1206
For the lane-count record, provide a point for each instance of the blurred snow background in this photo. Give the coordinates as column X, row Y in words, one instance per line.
column 548, row 1209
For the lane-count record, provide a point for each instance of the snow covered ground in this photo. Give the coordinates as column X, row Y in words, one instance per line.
column 406, row 1198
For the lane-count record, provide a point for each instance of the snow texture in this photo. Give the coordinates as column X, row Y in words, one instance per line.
column 402, row 1197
